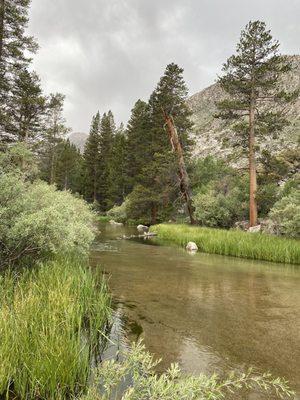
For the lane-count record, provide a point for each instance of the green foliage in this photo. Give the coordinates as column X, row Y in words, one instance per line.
column 220, row 197
column 139, row 140
column 15, row 47
column 91, row 154
column 26, row 108
column 144, row 383
column 252, row 79
column 255, row 246
column 68, row 172
column 107, row 131
column 285, row 215
column 118, row 213
column 37, row 220
column 266, row 197
column 50, row 323
column 117, row 168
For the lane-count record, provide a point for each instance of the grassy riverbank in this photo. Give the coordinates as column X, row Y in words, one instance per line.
column 232, row 243
column 50, row 323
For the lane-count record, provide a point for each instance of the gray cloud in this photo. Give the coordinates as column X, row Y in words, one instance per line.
column 105, row 54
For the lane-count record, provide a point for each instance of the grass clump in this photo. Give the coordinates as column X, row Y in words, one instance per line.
column 50, row 322
column 134, row 378
column 255, row 246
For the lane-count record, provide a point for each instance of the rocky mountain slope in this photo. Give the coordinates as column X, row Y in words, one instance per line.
column 79, row 139
column 211, row 135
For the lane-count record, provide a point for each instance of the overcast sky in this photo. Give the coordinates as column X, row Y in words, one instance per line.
column 106, row 54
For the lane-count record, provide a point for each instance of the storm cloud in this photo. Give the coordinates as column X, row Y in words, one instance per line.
column 106, row 54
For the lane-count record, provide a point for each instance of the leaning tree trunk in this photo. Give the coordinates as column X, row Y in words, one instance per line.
column 183, row 176
column 252, row 169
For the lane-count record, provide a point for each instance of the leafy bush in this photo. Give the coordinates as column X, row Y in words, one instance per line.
column 285, row 215
column 118, row 213
column 143, row 383
column 221, row 203
column 266, row 197
column 36, row 220
column 50, row 322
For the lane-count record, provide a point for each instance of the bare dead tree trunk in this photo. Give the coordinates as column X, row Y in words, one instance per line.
column 252, row 169
column 2, row 4
column 183, row 175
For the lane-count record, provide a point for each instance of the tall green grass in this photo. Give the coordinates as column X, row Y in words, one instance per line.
column 255, row 246
column 50, row 319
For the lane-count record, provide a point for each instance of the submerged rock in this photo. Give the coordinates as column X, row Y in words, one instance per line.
column 191, row 246
column 149, row 234
column 142, row 228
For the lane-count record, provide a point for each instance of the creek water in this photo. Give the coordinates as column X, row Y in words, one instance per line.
column 209, row 313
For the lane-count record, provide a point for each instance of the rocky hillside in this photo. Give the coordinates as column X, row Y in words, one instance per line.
column 211, row 135
column 79, row 139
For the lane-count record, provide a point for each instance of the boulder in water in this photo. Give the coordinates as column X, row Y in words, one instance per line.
column 191, row 246
column 142, row 228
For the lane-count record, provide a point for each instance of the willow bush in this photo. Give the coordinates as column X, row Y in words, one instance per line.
column 134, row 378
column 36, row 220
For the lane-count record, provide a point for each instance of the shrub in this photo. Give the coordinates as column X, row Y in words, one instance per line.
column 118, row 213
column 50, row 322
column 220, row 204
column 143, row 383
column 36, row 220
column 285, row 215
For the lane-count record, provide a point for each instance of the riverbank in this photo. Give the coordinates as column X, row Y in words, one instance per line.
column 254, row 246
column 51, row 318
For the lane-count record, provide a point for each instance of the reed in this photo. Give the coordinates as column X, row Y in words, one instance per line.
column 256, row 246
column 50, row 319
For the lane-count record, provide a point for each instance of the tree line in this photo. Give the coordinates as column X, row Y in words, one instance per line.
column 139, row 164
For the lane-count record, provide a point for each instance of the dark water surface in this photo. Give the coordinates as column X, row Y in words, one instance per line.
column 209, row 313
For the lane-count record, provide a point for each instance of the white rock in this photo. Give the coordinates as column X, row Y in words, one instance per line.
column 112, row 222
column 191, row 246
column 142, row 228
column 254, row 229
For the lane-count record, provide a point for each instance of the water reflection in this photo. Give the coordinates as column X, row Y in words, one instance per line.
column 209, row 313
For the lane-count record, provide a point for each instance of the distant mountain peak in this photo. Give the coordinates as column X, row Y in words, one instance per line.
column 78, row 139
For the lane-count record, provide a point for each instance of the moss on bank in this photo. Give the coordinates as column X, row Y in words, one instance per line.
column 50, row 323
column 254, row 246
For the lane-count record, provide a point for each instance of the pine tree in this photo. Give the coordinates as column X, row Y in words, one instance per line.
column 169, row 98
column 55, row 131
column 25, row 108
column 117, row 168
column 15, row 46
column 139, row 152
column 107, row 131
column 68, row 166
column 91, row 160
column 252, row 81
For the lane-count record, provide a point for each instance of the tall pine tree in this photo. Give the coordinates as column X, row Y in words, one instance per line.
column 15, row 46
column 91, row 160
column 252, row 80
column 117, row 168
column 107, row 131
column 139, row 152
